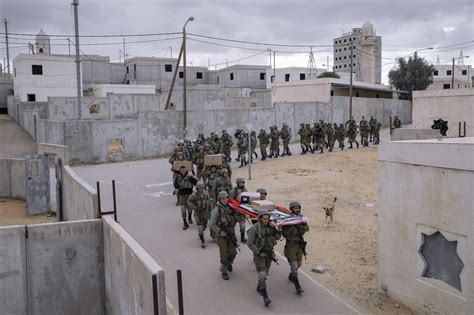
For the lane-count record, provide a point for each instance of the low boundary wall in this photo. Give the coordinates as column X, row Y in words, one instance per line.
column 12, row 178
column 60, row 151
column 80, row 267
column 79, row 199
column 414, row 134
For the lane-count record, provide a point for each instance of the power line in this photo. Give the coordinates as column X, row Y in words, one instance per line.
column 104, row 35
column 115, row 43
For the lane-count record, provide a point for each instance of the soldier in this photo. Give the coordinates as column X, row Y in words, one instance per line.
column 264, row 139
column 207, row 149
column 227, row 144
column 210, row 175
column 200, row 136
column 216, row 144
column 223, row 219
column 372, row 124
column 223, row 183
column 364, row 133
column 243, row 146
column 226, row 165
column 340, row 135
column 397, row 123
column 303, row 134
column 262, row 239
column 184, row 183
column 199, row 161
column 263, row 193
column 285, row 136
column 330, row 136
column 377, row 133
column 189, row 147
column 235, row 192
column 198, row 143
column 295, row 246
column 200, row 202
column 318, row 138
column 253, row 145
column 309, row 134
column 351, row 127
column 275, row 142
column 237, row 136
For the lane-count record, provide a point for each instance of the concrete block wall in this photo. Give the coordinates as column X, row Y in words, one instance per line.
column 13, row 181
column 128, row 274
column 60, row 151
column 426, row 188
column 79, row 199
column 414, row 134
column 66, row 268
column 13, row 278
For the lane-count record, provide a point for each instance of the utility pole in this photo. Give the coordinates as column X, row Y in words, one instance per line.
column 124, row 51
column 350, row 84
column 69, row 45
column 75, row 3
column 452, row 75
column 274, row 74
column 185, row 109
column 6, row 43
column 327, row 63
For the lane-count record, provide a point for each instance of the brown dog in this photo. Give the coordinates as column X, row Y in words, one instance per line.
column 330, row 213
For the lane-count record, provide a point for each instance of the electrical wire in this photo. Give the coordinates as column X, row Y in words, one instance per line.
column 91, row 36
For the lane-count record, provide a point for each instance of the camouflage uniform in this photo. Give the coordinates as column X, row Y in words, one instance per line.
column 351, row 127
column 216, row 145
column 223, row 183
column 237, row 136
column 234, row 193
column 264, row 139
column 330, row 136
column 199, row 161
column 200, row 202
column 243, row 147
column 377, row 133
column 253, row 145
column 227, row 144
column 397, row 123
column 285, row 135
column 262, row 240
column 275, row 142
column 223, row 219
column 364, row 133
column 372, row 124
column 318, row 138
column 210, row 175
column 184, row 184
column 189, row 147
column 341, row 135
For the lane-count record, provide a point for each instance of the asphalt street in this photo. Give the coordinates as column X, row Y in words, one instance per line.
column 146, row 209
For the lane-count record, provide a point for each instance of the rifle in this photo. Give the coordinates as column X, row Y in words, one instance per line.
column 302, row 244
column 229, row 236
column 269, row 254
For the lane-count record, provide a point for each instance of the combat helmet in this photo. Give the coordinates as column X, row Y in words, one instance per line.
column 222, row 194
column 224, row 170
column 263, row 212
column 200, row 185
column 294, row 204
column 261, row 190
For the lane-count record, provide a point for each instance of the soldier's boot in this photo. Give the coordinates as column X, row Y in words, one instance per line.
column 298, row 287
column 262, row 290
column 289, row 153
column 242, row 237
column 357, row 144
column 185, row 224
column 238, row 158
column 230, row 268
column 322, row 151
column 190, row 218
column 203, row 243
column 225, row 272
column 350, row 143
column 256, row 155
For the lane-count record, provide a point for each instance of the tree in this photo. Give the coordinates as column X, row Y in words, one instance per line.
column 412, row 74
column 329, row 74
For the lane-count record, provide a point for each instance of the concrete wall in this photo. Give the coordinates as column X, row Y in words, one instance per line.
column 414, row 134
column 13, row 181
column 6, row 89
column 455, row 106
column 426, row 187
column 66, row 268
column 79, row 199
column 60, row 151
column 13, row 279
column 102, row 90
column 128, row 274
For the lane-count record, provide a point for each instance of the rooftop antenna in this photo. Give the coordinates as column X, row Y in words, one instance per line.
column 461, row 59
column 437, row 61
column 312, row 71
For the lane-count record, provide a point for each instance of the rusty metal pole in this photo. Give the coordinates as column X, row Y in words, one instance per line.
column 99, row 208
column 180, row 291
column 115, row 200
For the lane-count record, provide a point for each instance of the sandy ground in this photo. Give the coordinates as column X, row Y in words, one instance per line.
column 14, row 141
column 13, row 212
column 348, row 248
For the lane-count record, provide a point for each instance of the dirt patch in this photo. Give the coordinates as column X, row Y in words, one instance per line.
column 348, row 248
column 13, row 212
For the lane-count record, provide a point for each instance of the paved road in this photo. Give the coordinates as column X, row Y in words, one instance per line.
column 147, row 211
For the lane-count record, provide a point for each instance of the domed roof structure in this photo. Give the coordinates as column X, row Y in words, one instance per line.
column 41, row 36
column 368, row 29
column 43, row 45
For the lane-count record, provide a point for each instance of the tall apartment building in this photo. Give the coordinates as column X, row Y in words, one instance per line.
column 366, row 57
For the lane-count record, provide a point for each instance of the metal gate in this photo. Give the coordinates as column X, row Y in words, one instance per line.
column 37, row 183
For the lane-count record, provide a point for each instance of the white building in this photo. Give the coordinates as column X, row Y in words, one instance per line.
column 101, row 90
column 36, row 77
column 366, row 54
column 245, row 76
column 443, row 76
column 289, row 74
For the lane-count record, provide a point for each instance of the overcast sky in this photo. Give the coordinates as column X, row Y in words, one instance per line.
column 405, row 26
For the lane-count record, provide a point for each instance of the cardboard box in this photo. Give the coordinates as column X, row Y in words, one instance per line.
column 263, row 205
column 213, row 159
column 188, row 164
column 248, row 197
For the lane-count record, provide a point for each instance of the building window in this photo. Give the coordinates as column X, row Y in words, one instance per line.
column 272, row 78
column 332, row 93
column 127, row 70
column 181, row 74
column 464, row 72
column 335, row 50
column 340, row 50
column 354, row 65
column 232, row 76
column 344, row 57
column 345, row 49
column 262, row 75
column 344, row 40
column 339, row 41
column 31, row 97
column 135, row 71
column 344, row 66
column 448, row 72
column 198, row 75
column 377, row 96
column 335, row 42
column 357, row 94
column 435, row 72
column 41, row 50
column 168, row 68
column 354, row 56
column 287, row 77
column 37, row 70
column 446, row 86
column 217, row 79
column 302, row 76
